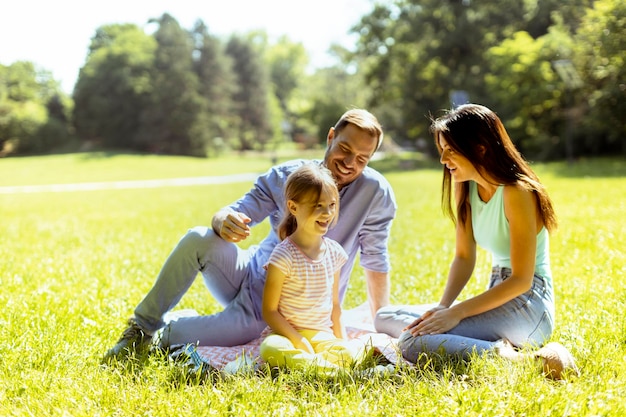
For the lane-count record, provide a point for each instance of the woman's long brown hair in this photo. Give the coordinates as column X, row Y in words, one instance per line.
column 477, row 133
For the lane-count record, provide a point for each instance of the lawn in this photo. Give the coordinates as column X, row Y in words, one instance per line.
column 76, row 263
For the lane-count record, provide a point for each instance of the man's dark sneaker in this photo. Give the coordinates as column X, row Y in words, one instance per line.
column 133, row 339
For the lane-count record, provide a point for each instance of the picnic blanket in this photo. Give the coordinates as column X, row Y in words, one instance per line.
column 357, row 321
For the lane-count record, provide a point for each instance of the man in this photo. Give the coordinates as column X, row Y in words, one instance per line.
column 235, row 277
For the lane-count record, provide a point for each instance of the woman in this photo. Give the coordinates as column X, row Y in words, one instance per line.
column 501, row 206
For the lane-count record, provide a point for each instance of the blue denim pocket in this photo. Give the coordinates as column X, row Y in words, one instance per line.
column 543, row 331
column 536, row 293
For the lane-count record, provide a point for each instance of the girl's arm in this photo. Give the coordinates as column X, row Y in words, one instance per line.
column 338, row 330
column 271, row 315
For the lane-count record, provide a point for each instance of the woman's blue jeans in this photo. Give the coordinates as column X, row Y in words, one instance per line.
column 526, row 320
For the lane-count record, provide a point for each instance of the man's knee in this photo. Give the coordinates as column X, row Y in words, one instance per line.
column 198, row 237
column 202, row 243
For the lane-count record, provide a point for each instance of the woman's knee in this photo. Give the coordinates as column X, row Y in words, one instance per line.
column 409, row 346
column 406, row 339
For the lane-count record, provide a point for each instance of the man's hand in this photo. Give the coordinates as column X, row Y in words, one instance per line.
column 231, row 226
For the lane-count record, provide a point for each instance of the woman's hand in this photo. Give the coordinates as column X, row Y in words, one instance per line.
column 435, row 321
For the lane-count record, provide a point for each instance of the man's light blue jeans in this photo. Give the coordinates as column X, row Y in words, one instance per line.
column 226, row 270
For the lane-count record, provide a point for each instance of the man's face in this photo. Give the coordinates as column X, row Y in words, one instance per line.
column 348, row 153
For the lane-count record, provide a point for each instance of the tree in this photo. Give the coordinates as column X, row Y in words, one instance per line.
column 173, row 118
column 601, row 61
column 56, row 132
column 325, row 95
column 113, row 86
column 287, row 62
column 542, row 14
column 30, row 101
column 216, row 85
column 416, row 52
column 251, row 98
column 533, row 118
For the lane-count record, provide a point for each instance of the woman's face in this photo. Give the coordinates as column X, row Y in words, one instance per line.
column 460, row 168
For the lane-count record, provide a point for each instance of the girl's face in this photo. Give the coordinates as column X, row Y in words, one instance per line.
column 314, row 217
column 460, row 167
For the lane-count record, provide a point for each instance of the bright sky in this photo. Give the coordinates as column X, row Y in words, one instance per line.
column 55, row 35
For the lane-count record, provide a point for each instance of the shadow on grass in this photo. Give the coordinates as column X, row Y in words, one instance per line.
column 588, row 167
column 104, row 154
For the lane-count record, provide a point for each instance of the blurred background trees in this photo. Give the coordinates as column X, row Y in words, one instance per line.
column 554, row 71
column 34, row 115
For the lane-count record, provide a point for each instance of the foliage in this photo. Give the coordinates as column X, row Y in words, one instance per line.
column 533, row 117
column 76, row 263
column 417, row 55
column 171, row 123
column 188, row 92
column 216, row 86
column 33, row 111
column 114, row 87
column 601, row 58
column 253, row 129
column 287, row 63
column 425, row 50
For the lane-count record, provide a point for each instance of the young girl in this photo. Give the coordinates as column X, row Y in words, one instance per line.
column 301, row 295
column 501, row 206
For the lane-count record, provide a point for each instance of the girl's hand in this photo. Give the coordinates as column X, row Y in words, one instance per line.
column 303, row 344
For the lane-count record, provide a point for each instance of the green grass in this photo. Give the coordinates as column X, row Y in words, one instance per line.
column 75, row 264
